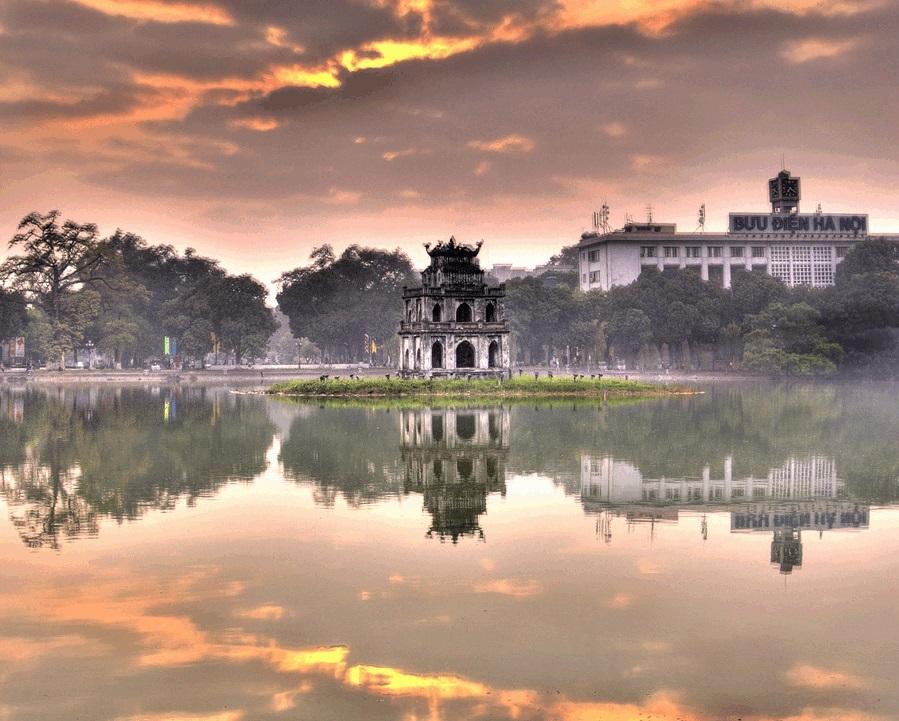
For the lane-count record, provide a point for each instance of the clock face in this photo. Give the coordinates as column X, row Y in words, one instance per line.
column 790, row 189
column 772, row 189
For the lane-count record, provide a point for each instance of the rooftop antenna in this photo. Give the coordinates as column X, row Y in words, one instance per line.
column 628, row 219
column 783, row 161
column 601, row 219
column 700, row 225
column 649, row 213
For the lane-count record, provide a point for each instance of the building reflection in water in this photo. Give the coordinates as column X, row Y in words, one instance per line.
column 455, row 458
column 804, row 494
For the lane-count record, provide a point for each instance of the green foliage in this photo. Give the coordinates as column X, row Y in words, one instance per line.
column 518, row 386
column 875, row 255
column 789, row 339
column 335, row 302
column 13, row 313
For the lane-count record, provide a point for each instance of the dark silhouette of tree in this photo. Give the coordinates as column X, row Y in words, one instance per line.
column 336, row 301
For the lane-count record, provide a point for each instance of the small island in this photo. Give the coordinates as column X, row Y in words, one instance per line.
column 517, row 387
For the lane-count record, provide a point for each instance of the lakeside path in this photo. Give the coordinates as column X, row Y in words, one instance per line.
column 263, row 376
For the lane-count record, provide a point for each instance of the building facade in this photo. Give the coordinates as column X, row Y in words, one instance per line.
column 454, row 324
column 798, row 248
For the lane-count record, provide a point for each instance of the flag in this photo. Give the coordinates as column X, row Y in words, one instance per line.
column 165, row 345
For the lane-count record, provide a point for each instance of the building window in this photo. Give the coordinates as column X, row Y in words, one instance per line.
column 780, row 253
column 594, row 276
column 823, row 275
column 594, row 255
column 758, row 251
column 715, row 251
column 802, row 253
column 736, row 251
column 802, row 274
column 822, row 253
column 647, row 251
column 781, row 271
column 671, row 251
column 694, row 251
column 842, row 250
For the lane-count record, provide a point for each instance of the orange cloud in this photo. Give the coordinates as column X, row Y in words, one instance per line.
column 269, row 612
column 620, row 600
column 260, row 125
column 509, row 587
column 816, row 49
column 513, row 143
column 161, row 12
column 823, row 678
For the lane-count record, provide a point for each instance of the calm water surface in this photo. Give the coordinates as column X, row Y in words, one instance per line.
column 188, row 554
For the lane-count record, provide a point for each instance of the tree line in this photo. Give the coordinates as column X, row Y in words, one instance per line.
column 673, row 319
column 66, row 288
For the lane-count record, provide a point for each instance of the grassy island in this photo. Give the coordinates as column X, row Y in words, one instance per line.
column 518, row 387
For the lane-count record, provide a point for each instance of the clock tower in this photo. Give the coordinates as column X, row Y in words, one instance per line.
column 783, row 191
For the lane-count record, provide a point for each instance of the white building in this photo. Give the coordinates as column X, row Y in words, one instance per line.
column 799, row 249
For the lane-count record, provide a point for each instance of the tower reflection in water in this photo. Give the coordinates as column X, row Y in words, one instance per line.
column 803, row 494
column 455, row 458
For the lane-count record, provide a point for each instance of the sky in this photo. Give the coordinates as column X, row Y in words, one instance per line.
column 255, row 130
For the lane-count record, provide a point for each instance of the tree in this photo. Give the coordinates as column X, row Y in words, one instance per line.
column 13, row 313
column 57, row 261
column 628, row 331
column 239, row 315
column 875, row 255
column 789, row 339
column 336, row 301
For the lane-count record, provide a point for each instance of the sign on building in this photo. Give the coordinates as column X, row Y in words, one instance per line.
column 798, row 223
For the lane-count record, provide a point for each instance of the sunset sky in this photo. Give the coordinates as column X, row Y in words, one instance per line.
column 253, row 130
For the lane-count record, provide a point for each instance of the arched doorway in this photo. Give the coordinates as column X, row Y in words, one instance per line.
column 418, row 359
column 406, row 364
column 465, row 355
column 493, row 354
column 490, row 313
column 463, row 313
column 436, row 313
column 437, row 355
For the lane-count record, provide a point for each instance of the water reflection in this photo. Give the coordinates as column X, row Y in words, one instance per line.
column 455, row 458
column 321, row 590
column 802, row 494
column 69, row 457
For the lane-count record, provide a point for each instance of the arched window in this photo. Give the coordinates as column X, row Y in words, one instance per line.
column 465, row 355
column 437, row 427
column 493, row 354
column 465, row 469
column 418, row 359
column 490, row 313
column 409, row 312
column 437, row 355
column 465, row 426
column 406, row 364
column 436, row 314
column 463, row 313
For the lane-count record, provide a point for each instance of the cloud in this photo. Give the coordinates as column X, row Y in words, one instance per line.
column 268, row 612
column 620, row 600
column 513, row 143
column 161, row 12
column 509, row 587
column 815, row 49
column 809, row 676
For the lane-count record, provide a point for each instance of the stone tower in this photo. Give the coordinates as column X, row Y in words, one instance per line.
column 454, row 325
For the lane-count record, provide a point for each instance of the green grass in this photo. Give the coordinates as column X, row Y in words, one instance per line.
column 518, row 387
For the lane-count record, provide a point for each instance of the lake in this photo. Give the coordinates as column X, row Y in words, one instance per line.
column 191, row 554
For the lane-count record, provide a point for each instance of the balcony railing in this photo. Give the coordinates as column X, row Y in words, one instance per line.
column 447, row 326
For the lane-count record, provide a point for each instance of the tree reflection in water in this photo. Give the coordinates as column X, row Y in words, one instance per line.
column 71, row 456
